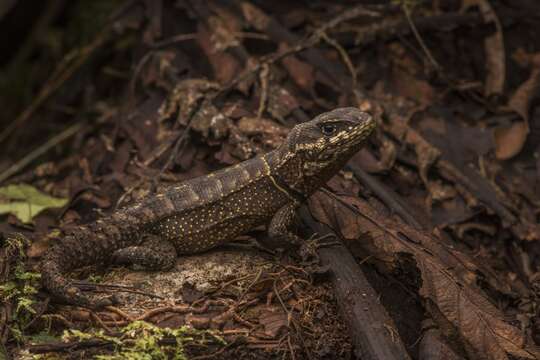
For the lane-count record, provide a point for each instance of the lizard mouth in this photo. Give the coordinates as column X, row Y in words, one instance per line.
column 365, row 121
column 361, row 126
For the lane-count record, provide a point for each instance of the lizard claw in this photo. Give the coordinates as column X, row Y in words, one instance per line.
column 308, row 249
column 75, row 296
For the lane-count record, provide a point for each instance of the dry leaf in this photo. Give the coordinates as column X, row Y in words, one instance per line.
column 274, row 321
column 448, row 276
column 302, row 73
column 225, row 66
column 185, row 97
column 493, row 47
column 413, row 88
column 254, row 16
column 509, row 140
column 521, row 100
column 432, row 346
column 471, row 185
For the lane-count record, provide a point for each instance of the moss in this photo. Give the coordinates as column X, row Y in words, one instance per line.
column 141, row 341
column 20, row 288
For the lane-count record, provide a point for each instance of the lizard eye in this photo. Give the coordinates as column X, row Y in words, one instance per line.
column 328, row 129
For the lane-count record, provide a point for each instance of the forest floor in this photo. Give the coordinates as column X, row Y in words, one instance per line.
column 104, row 102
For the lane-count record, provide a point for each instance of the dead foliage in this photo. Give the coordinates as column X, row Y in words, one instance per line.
column 105, row 102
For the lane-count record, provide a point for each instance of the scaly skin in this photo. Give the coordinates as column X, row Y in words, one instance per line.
column 210, row 210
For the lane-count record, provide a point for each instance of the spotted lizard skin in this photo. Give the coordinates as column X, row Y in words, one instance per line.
column 207, row 211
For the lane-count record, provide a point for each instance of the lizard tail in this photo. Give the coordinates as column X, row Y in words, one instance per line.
column 84, row 246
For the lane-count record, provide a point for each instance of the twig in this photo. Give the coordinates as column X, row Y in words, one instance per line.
column 98, row 320
column 40, row 26
column 387, row 196
column 63, row 72
column 65, row 322
column 293, row 357
column 235, row 342
column 251, row 284
column 34, row 154
column 344, row 56
column 69, row 346
column 263, row 76
column 136, row 72
column 173, row 309
column 120, row 288
column 365, row 316
column 116, row 310
column 185, row 37
column 181, row 139
column 43, row 307
column 276, row 291
column 300, row 44
column 420, row 40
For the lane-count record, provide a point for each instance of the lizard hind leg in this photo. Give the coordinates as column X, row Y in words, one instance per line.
column 154, row 253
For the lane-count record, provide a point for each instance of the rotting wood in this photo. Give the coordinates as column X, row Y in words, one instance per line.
column 372, row 330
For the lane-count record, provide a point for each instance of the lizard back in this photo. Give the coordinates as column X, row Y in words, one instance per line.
column 206, row 211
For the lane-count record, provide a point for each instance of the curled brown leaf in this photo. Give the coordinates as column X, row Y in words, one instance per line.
column 493, row 46
column 448, row 276
column 509, row 140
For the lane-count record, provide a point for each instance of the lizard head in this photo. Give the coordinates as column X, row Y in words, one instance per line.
column 326, row 143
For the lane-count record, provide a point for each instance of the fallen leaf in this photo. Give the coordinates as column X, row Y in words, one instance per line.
column 225, row 66
column 274, row 322
column 189, row 293
column 433, row 346
column 448, row 276
column 521, row 100
column 470, row 184
column 140, row 125
column 412, row 87
column 270, row 134
column 254, row 16
column 302, row 73
column 25, row 201
column 185, row 98
column 493, row 47
column 509, row 140
column 281, row 102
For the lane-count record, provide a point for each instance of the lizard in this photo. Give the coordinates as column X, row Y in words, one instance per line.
column 206, row 211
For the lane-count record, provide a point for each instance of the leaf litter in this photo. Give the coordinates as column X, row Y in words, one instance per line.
column 184, row 88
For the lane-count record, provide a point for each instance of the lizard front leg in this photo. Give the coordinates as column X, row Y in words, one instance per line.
column 154, row 253
column 280, row 230
column 281, row 225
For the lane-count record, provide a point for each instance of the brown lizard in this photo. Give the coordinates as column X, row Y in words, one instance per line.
column 204, row 212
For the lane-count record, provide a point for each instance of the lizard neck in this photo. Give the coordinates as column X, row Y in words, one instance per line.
column 288, row 170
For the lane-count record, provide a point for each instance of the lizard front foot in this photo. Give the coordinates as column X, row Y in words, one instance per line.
column 308, row 248
column 74, row 296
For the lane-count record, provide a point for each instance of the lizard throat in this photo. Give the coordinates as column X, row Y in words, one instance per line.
column 292, row 193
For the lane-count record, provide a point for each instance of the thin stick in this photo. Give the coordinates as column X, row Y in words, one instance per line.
column 34, row 154
column 299, row 46
column 64, row 71
column 345, row 57
column 416, row 34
